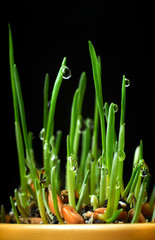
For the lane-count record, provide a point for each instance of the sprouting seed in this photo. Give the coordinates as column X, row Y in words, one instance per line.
column 66, row 72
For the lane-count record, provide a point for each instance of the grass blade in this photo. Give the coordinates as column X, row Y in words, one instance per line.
column 110, row 138
column 74, row 117
column 21, row 106
column 98, row 89
column 12, row 62
column 21, row 159
column 123, row 102
column 54, row 196
column 45, row 113
column 55, row 92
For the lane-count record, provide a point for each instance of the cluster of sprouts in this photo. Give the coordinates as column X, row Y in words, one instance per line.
column 93, row 172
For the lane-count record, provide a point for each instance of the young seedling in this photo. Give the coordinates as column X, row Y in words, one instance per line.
column 94, row 168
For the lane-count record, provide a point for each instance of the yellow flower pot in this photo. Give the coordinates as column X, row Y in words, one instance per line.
column 82, row 232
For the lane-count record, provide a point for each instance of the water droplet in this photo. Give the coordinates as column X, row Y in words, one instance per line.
column 135, row 165
column 42, row 134
column 82, row 125
column 66, row 72
column 99, row 162
column 91, row 159
column 145, row 197
column 49, row 104
column 127, row 82
column 101, row 166
column 121, row 155
column 117, row 184
column 73, row 164
column 144, row 170
column 116, row 107
column 90, row 123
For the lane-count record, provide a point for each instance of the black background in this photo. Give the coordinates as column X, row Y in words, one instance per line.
column 43, row 34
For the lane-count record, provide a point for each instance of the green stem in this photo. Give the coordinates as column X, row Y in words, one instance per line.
column 45, row 113
column 114, row 217
column 74, row 117
column 123, row 102
column 110, row 140
column 82, row 192
column 11, row 60
column 21, row 106
column 19, row 205
column 102, row 194
column 21, row 158
column 94, row 149
column 46, row 203
column 96, row 66
column 40, row 203
column 112, row 187
column 54, row 196
column 139, row 203
column 15, row 210
column 127, row 189
column 55, row 92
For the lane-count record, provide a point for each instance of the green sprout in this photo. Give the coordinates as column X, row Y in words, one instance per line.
column 94, row 166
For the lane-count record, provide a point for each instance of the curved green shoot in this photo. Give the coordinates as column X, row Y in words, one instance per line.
column 54, row 96
column 82, row 88
column 139, row 203
column 12, row 62
column 83, row 191
column 54, row 196
column 112, row 187
column 114, row 217
column 40, row 203
column 15, row 210
column 45, row 109
column 21, row 209
column 123, row 102
column 70, row 178
column 74, row 117
column 96, row 67
column 21, row 106
column 110, row 140
column 48, row 210
column 127, row 189
column 21, row 158
column 94, row 149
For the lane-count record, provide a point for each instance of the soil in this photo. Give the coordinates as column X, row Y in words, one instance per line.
column 126, row 216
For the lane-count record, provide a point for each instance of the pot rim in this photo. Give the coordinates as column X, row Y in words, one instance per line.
column 140, row 231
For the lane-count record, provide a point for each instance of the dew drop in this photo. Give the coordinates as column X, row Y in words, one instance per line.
column 117, row 184
column 92, row 159
column 81, row 125
column 73, row 164
column 144, row 170
column 99, row 162
column 66, row 72
column 90, row 124
column 121, row 155
column 127, row 82
column 42, row 134
column 116, row 108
